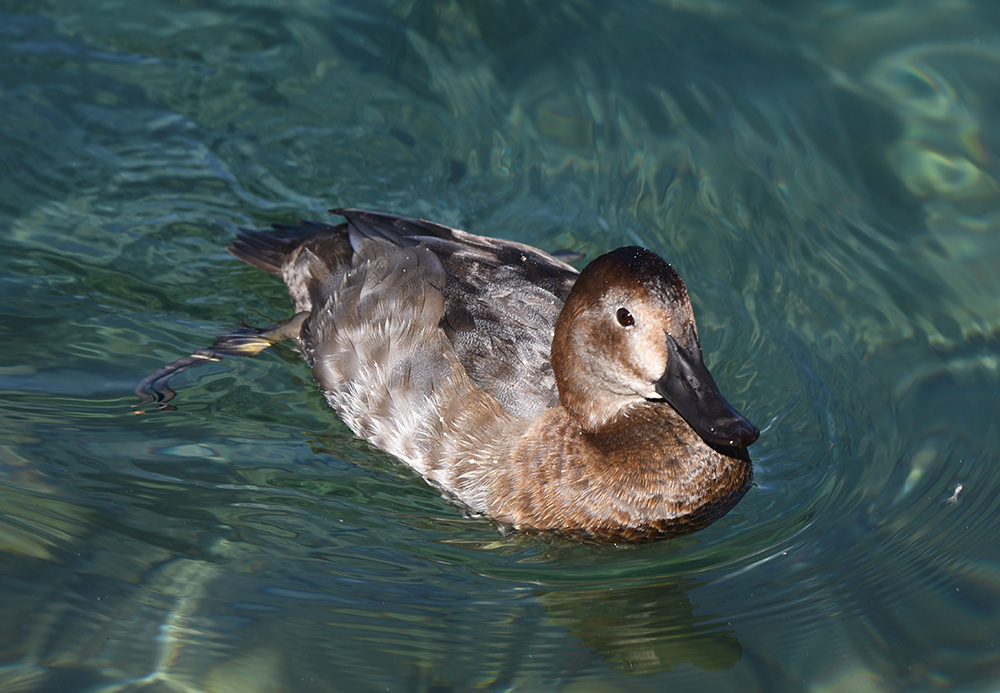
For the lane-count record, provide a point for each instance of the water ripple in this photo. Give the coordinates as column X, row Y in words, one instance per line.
column 822, row 177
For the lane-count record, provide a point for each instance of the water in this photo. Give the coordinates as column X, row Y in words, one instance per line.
column 823, row 175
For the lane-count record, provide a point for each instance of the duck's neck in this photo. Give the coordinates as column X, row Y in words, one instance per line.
column 647, row 431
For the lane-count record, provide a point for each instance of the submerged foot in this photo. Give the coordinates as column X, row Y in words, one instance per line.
column 155, row 390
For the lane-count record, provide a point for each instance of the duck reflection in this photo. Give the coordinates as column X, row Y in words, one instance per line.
column 643, row 630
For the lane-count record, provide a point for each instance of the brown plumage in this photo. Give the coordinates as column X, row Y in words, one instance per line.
column 547, row 400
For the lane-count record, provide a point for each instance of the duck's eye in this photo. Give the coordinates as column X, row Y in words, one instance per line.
column 625, row 318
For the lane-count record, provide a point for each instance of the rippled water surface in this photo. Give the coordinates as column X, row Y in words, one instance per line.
column 823, row 174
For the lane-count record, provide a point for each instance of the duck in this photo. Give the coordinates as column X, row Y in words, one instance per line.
column 551, row 401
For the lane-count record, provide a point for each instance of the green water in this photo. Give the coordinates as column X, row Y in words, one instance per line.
column 823, row 175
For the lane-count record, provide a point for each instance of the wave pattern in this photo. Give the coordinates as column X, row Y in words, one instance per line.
column 824, row 177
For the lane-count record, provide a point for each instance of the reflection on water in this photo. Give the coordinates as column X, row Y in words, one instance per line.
column 643, row 630
column 824, row 176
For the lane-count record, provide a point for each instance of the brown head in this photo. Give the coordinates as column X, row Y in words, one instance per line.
column 626, row 335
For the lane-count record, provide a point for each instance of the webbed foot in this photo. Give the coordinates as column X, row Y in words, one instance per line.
column 246, row 341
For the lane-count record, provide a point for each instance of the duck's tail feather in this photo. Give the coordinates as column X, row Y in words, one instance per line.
column 266, row 250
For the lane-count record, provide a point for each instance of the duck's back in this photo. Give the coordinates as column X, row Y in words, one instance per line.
column 400, row 292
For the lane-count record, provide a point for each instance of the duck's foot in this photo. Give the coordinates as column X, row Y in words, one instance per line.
column 246, row 341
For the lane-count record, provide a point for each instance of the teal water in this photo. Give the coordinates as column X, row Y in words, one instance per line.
column 822, row 174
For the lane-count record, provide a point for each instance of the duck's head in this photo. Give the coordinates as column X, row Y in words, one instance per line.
column 626, row 335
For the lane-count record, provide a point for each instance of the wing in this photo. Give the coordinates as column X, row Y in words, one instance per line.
column 501, row 298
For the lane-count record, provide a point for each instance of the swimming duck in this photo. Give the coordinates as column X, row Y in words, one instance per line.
column 549, row 400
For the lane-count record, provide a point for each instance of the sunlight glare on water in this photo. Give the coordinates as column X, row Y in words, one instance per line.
column 822, row 174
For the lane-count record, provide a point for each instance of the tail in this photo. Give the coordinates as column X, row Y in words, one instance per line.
column 266, row 250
